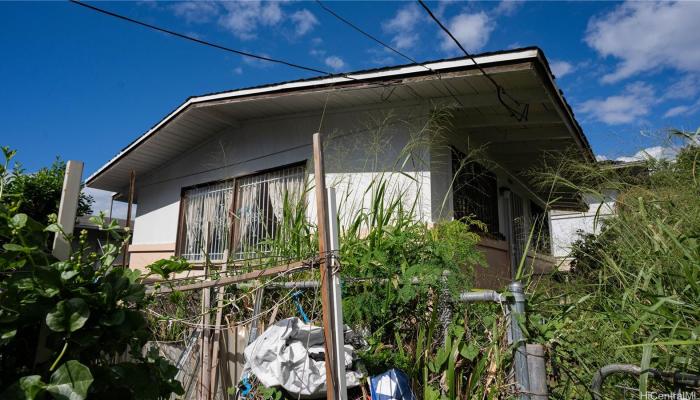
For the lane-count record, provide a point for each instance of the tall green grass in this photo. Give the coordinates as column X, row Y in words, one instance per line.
column 633, row 295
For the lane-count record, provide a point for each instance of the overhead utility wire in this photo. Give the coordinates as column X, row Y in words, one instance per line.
column 382, row 43
column 355, row 27
column 204, row 42
column 520, row 115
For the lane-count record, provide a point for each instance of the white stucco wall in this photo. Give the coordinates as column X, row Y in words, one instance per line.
column 566, row 225
column 357, row 151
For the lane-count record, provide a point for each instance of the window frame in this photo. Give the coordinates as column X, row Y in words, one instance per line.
column 455, row 156
column 179, row 240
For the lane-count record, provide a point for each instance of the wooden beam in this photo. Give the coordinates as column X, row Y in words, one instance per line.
column 228, row 280
column 323, row 246
column 471, row 120
column 132, row 183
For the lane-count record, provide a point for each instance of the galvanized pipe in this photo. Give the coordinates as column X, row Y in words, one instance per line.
column 517, row 311
column 680, row 378
column 482, row 296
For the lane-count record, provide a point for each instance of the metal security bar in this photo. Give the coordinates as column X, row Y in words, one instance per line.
column 474, row 192
column 520, row 233
column 207, row 219
column 260, row 204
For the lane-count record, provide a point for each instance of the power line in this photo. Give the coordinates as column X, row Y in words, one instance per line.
column 500, row 91
column 355, row 27
column 382, row 43
column 204, row 42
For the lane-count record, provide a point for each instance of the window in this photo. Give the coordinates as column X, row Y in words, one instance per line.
column 259, row 208
column 474, row 192
column 520, row 232
column 239, row 215
column 540, row 218
column 206, row 220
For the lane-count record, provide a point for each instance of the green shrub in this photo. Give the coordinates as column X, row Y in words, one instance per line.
column 74, row 328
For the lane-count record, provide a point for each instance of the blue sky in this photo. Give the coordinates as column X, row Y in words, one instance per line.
column 82, row 85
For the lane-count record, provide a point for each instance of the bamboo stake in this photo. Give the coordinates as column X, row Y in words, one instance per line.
column 217, row 332
column 206, row 306
column 249, row 276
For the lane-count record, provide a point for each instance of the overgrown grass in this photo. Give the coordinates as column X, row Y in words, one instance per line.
column 633, row 295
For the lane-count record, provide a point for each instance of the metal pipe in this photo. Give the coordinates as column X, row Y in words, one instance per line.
column 681, row 378
column 482, row 296
column 601, row 374
column 537, row 370
column 517, row 311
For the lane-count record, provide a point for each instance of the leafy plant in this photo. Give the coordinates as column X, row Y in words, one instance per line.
column 63, row 324
column 38, row 194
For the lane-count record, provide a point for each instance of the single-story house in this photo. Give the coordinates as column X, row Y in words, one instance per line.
column 209, row 176
column 568, row 226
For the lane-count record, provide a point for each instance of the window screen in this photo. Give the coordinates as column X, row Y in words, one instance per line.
column 259, row 209
column 474, row 192
column 206, row 221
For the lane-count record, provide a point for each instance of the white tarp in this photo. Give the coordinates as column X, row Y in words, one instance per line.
column 290, row 354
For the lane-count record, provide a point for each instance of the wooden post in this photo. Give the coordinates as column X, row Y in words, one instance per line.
column 326, row 292
column 217, row 331
column 132, row 182
column 70, row 196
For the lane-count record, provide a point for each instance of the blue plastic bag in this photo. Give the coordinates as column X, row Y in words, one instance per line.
column 391, row 385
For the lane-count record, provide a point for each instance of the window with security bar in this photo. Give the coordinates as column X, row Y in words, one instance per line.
column 259, row 209
column 520, row 230
column 206, row 221
column 474, row 192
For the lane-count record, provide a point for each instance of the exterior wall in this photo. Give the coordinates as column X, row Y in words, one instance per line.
column 360, row 146
column 495, row 249
column 566, row 225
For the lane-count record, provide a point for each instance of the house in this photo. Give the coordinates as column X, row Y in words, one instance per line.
column 96, row 238
column 568, row 226
column 211, row 173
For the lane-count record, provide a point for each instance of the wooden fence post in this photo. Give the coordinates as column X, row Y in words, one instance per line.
column 70, row 196
column 335, row 387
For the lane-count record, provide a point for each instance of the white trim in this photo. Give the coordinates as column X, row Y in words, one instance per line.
column 440, row 65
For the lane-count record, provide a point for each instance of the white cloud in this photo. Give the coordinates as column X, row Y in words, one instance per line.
column 335, row 62
column 304, row 21
column 196, row 11
column 675, row 111
column 600, row 157
column 632, row 104
column 507, row 7
column 403, row 26
column 655, row 152
column 471, row 30
column 684, row 109
column 646, row 36
column 561, row 68
column 686, row 87
column 243, row 18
